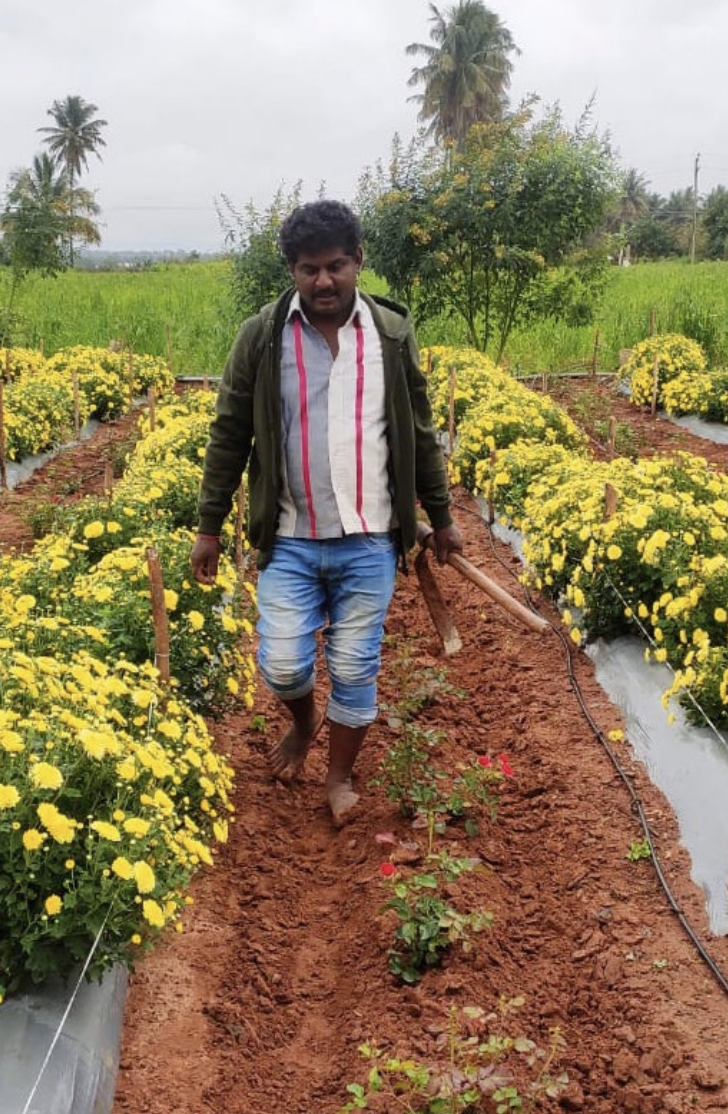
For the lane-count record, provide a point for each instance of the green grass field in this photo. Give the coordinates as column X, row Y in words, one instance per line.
column 184, row 310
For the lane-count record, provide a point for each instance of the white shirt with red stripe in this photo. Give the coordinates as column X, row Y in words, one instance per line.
column 335, row 452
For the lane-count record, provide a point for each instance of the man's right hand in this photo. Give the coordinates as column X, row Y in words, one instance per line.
column 205, row 558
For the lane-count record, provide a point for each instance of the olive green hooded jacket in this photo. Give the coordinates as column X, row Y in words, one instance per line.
column 246, row 429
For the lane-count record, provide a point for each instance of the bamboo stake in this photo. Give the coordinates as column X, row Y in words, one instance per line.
column 159, row 615
column 451, row 410
column 76, row 407
column 491, row 488
column 3, row 472
column 131, row 377
column 611, row 499
column 544, row 382
column 239, row 519
column 655, row 383
column 205, row 382
column 152, row 398
column 168, row 334
column 611, row 437
column 595, row 355
column 8, row 372
column 653, row 322
column 108, row 479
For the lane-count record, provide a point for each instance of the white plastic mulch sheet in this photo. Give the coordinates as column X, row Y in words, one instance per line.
column 689, row 764
column 79, row 1076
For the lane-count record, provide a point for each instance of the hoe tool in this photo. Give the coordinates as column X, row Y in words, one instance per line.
column 436, row 605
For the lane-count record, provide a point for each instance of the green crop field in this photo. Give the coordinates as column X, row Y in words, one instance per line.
column 184, row 311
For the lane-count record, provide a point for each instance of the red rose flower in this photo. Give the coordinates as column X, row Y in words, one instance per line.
column 387, row 870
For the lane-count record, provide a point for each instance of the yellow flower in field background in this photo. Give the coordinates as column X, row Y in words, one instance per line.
column 9, row 797
column 33, row 839
column 53, row 905
column 123, row 868
column 61, row 828
column 153, row 913
column 45, row 776
column 93, row 530
column 144, row 877
column 106, row 830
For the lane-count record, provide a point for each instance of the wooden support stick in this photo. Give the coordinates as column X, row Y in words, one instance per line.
column 3, row 472
column 152, row 400
column 451, row 410
column 168, row 334
column 131, row 377
column 159, row 615
column 611, row 436
column 611, row 500
column 108, row 479
column 655, row 385
column 491, row 488
column 239, row 519
column 595, row 355
column 205, row 382
column 76, row 407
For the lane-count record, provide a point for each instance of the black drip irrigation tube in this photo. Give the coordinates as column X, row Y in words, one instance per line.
column 636, row 801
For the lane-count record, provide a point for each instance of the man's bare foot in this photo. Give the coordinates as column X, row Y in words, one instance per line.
column 287, row 757
column 342, row 801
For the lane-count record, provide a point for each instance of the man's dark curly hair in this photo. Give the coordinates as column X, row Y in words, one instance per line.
column 317, row 226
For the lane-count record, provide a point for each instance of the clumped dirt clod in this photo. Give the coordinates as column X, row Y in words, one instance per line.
column 260, row 1005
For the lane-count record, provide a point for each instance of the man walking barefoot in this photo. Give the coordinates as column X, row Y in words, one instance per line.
column 323, row 400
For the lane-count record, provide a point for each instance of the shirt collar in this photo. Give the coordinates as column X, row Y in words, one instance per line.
column 296, row 308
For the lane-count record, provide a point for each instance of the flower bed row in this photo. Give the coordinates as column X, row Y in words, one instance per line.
column 627, row 545
column 46, row 400
column 111, row 794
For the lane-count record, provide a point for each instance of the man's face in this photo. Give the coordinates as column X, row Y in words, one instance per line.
column 326, row 282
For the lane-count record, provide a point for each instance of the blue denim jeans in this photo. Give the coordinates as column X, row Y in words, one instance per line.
column 348, row 581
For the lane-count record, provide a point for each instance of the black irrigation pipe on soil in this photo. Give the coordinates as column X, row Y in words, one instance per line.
column 619, row 768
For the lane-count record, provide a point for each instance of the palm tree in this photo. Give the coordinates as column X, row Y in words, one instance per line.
column 75, row 136
column 467, row 70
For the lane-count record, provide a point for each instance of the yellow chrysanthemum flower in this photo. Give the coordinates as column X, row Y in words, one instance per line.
column 9, row 797
column 45, row 776
column 123, row 868
column 33, row 839
column 153, row 913
column 144, row 876
column 53, row 905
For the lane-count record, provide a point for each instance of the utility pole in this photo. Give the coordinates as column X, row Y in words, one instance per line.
column 695, row 209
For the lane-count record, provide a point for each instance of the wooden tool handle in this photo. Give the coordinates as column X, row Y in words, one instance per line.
column 475, row 576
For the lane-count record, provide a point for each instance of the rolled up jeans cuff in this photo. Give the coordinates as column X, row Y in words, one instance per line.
column 350, row 717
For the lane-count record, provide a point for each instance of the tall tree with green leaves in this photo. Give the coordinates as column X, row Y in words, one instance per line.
column 466, row 71
column 471, row 233
column 75, row 136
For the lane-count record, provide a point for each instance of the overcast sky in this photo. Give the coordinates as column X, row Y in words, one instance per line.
column 235, row 97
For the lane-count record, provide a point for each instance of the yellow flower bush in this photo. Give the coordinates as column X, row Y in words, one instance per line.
column 19, row 361
column 111, row 380
column 656, row 564
column 674, row 355
column 468, row 373
column 39, row 398
column 704, row 394
column 111, row 794
column 504, row 417
column 109, row 789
